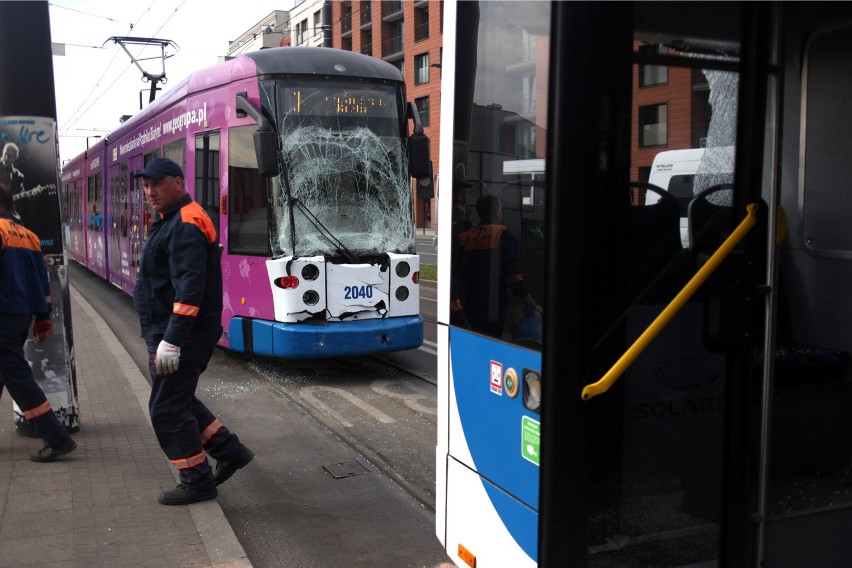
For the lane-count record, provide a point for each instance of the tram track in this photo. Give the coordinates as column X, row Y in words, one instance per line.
column 365, row 448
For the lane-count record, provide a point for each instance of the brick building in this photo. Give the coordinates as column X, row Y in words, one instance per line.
column 408, row 35
column 670, row 112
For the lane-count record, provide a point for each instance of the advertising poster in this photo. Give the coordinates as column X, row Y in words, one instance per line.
column 28, row 166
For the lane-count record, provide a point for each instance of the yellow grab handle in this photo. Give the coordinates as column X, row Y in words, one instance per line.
column 674, row 306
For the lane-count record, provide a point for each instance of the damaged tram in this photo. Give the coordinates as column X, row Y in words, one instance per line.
column 303, row 159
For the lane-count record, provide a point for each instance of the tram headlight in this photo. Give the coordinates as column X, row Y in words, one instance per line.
column 310, row 272
column 532, row 390
column 402, row 293
column 402, row 269
column 311, row 297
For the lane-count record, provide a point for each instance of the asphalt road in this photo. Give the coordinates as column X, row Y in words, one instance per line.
column 344, row 474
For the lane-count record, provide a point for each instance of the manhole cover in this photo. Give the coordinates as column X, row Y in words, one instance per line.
column 345, row 469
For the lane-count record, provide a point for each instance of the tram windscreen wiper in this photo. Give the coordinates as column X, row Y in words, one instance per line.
column 338, row 245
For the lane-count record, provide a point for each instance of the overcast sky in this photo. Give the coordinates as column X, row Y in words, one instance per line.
column 96, row 81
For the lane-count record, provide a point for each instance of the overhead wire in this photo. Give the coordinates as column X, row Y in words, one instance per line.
column 77, row 114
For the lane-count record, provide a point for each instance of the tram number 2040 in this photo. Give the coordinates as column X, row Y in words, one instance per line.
column 356, row 292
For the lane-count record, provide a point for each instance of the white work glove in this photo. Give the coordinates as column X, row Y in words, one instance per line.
column 167, row 358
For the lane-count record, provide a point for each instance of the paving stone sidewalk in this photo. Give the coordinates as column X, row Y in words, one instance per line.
column 98, row 506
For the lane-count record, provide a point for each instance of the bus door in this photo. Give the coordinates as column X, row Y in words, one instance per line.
column 112, row 225
column 652, row 364
column 137, row 218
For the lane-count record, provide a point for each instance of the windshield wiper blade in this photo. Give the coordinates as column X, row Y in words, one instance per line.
column 341, row 249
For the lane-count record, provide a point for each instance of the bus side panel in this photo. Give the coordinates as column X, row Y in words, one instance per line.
column 492, row 450
column 495, row 528
column 442, row 447
column 490, row 417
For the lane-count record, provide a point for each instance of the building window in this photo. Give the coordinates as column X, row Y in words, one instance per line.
column 528, row 101
column 318, row 21
column 527, row 46
column 653, row 125
column 302, row 32
column 421, row 24
column 423, row 109
column 421, row 69
column 650, row 75
column 399, row 65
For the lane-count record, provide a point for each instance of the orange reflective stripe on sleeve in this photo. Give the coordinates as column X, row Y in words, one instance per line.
column 42, row 408
column 187, row 463
column 185, row 309
column 210, row 431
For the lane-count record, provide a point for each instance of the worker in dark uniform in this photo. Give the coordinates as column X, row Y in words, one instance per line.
column 489, row 271
column 25, row 292
column 179, row 299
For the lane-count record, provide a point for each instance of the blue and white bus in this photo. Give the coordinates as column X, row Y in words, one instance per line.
column 611, row 395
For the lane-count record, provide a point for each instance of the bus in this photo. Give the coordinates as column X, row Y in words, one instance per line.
column 632, row 399
column 303, row 159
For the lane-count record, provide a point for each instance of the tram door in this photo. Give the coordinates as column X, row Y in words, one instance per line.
column 112, row 223
column 137, row 216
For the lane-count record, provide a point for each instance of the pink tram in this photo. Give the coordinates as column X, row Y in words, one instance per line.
column 303, row 159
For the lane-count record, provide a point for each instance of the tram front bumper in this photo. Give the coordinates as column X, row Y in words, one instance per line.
column 299, row 340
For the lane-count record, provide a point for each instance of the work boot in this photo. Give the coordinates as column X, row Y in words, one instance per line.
column 226, row 468
column 183, row 495
column 48, row 454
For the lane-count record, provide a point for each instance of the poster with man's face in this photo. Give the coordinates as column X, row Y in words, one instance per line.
column 28, row 167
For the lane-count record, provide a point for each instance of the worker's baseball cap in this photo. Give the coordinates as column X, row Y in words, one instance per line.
column 158, row 168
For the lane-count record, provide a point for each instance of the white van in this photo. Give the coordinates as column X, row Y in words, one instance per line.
column 675, row 170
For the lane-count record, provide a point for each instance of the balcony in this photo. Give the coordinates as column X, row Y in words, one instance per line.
column 392, row 49
column 346, row 25
column 391, row 10
column 366, row 17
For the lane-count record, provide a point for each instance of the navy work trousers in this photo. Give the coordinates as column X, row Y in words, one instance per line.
column 186, row 429
column 17, row 376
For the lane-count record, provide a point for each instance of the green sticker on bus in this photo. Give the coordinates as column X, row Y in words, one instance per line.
column 531, row 440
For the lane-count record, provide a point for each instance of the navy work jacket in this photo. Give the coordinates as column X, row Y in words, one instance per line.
column 24, row 287
column 179, row 287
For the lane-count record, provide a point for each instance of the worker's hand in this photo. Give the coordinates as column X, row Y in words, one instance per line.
column 529, row 305
column 167, row 358
column 41, row 329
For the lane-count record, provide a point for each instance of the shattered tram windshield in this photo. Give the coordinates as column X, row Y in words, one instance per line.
column 344, row 162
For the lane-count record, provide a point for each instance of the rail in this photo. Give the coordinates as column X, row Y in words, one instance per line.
column 594, row 389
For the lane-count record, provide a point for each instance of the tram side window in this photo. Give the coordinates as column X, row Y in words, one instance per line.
column 176, row 152
column 248, row 206
column 96, row 203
